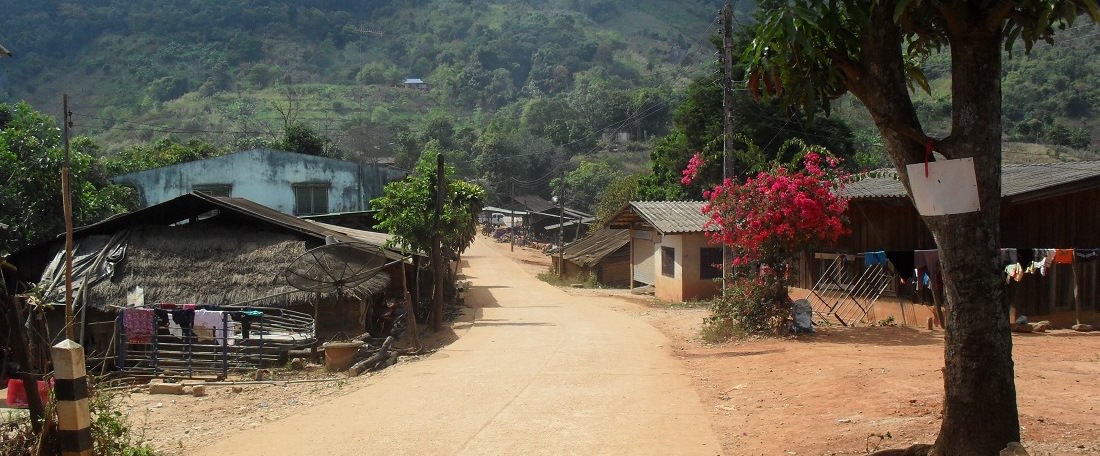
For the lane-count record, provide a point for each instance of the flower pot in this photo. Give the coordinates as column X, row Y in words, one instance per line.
column 340, row 356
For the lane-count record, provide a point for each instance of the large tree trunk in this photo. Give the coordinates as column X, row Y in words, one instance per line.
column 979, row 408
column 979, row 411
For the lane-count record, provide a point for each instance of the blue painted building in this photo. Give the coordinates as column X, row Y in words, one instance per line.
column 288, row 182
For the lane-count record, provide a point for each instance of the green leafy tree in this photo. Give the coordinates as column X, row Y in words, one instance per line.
column 554, row 119
column 407, row 209
column 1062, row 135
column 165, row 89
column 584, row 184
column 31, row 158
column 615, row 197
column 669, row 157
column 378, row 72
column 649, row 113
column 808, row 52
column 508, row 159
column 162, row 152
column 761, row 134
column 302, row 139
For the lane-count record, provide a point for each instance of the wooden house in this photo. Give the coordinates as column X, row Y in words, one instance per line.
column 544, row 219
column 1043, row 206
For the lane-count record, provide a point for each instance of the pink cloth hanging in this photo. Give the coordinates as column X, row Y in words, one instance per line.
column 139, row 324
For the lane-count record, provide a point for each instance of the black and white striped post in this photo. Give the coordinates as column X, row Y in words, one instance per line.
column 74, row 420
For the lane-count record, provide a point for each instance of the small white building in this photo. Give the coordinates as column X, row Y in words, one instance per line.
column 669, row 249
column 289, row 182
column 415, row 83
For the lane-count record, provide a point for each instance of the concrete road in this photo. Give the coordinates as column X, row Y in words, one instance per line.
column 538, row 373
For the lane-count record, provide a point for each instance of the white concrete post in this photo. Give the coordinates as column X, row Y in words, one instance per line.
column 74, row 420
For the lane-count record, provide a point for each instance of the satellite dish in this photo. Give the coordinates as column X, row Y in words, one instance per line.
column 333, row 268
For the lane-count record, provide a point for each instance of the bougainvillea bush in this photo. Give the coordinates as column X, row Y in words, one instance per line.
column 765, row 221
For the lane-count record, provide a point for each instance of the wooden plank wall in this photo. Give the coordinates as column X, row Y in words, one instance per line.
column 1066, row 221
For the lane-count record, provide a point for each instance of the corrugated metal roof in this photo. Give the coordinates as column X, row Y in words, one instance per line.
column 672, row 216
column 503, row 210
column 532, row 203
column 370, row 237
column 595, row 247
column 586, row 221
column 297, row 224
column 1016, row 180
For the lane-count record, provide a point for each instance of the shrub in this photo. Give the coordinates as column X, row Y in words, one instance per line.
column 765, row 221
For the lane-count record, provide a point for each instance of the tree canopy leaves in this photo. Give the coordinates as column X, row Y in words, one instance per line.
column 407, row 209
column 31, row 159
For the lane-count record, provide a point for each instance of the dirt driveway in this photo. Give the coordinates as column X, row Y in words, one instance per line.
column 836, row 392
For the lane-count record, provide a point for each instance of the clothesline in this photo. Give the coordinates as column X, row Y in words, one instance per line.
column 184, row 320
column 926, row 267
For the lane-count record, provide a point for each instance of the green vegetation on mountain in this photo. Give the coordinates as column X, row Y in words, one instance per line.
column 231, row 71
column 519, row 90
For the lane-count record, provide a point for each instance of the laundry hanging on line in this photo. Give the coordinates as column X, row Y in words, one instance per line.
column 139, row 324
column 1016, row 262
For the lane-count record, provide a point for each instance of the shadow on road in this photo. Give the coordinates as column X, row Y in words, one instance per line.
column 507, row 323
column 890, row 336
column 731, row 354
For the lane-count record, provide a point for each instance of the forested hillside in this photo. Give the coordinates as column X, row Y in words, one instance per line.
column 232, row 71
column 519, row 90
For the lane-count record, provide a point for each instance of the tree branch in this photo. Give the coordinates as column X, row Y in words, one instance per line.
column 847, row 66
column 999, row 14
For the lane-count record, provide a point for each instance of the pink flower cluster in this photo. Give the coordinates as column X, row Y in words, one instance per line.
column 692, row 171
column 779, row 212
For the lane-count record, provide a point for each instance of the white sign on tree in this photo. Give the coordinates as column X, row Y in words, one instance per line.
column 944, row 187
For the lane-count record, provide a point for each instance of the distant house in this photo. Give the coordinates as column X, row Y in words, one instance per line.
column 575, row 225
column 669, row 249
column 501, row 216
column 415, row 83
column 545, row 218
column 288, row 182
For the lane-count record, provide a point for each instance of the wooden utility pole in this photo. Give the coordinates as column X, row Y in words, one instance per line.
column 727, row 119
column 437, row 244
column 561, row 227
column 67, row 206
column 512, row 224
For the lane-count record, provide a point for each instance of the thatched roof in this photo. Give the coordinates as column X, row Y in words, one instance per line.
column 197, row 248
column 208, row 263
